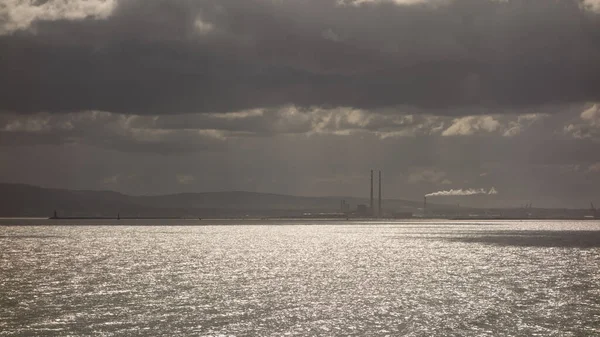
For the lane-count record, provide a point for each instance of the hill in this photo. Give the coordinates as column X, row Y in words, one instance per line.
column 20, row 200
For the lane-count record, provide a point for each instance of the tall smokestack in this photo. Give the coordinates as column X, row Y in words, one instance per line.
column 372, row 209
column 379, row 200
column 424, row 206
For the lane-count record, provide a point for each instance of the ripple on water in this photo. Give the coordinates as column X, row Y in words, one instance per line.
column 433, row 279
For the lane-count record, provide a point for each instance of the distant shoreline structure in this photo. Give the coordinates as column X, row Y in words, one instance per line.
column 115, row 218
column 37, row 202
column 315, row 218
column 334, row 216
column 118, row 217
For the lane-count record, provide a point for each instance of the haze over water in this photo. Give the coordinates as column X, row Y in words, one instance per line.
column 268, row 278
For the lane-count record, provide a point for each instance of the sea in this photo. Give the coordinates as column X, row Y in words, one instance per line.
column 299, row 278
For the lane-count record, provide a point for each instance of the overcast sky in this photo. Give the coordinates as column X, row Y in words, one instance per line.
column 304, row 97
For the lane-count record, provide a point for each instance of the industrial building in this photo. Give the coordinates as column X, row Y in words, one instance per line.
column 374, row 209
column 370, row 210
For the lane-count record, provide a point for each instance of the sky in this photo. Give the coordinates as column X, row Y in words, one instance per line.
column 304, row 97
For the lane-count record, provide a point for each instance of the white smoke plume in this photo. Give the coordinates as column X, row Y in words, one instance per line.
column 469, row 191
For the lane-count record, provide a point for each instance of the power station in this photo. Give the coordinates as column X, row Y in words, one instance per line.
column 371, row 203
column 372, row 212
column 379, row 214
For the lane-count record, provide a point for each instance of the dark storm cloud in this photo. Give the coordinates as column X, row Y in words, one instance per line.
column 303, row 97
column 164, row 57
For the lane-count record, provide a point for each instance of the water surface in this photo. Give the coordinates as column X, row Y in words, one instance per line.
column 296, row 278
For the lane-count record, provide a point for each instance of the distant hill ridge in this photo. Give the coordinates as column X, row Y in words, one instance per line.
column 27, row 200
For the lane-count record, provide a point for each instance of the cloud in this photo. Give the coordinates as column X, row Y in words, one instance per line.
column 196, row 130
column 470, row 125
column 19, row 14
column 217, row 131
column 331, row 35
column 428, row 176
column 105, row 130
column 119, row 179
column 588, row 127
column 505, row 125
column 593, row 5
column 112, row 180
column 523, row 122
column 594, row 167
column 592, row 115
column 156, row 57
column 185, row 179
column 203, row 27
column 248, row 149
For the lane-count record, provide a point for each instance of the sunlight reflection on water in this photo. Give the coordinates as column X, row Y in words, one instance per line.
column 334, row 278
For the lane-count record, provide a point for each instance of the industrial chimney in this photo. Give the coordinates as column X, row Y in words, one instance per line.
column 424, row 206
column 372, row 210
column 379, row 200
